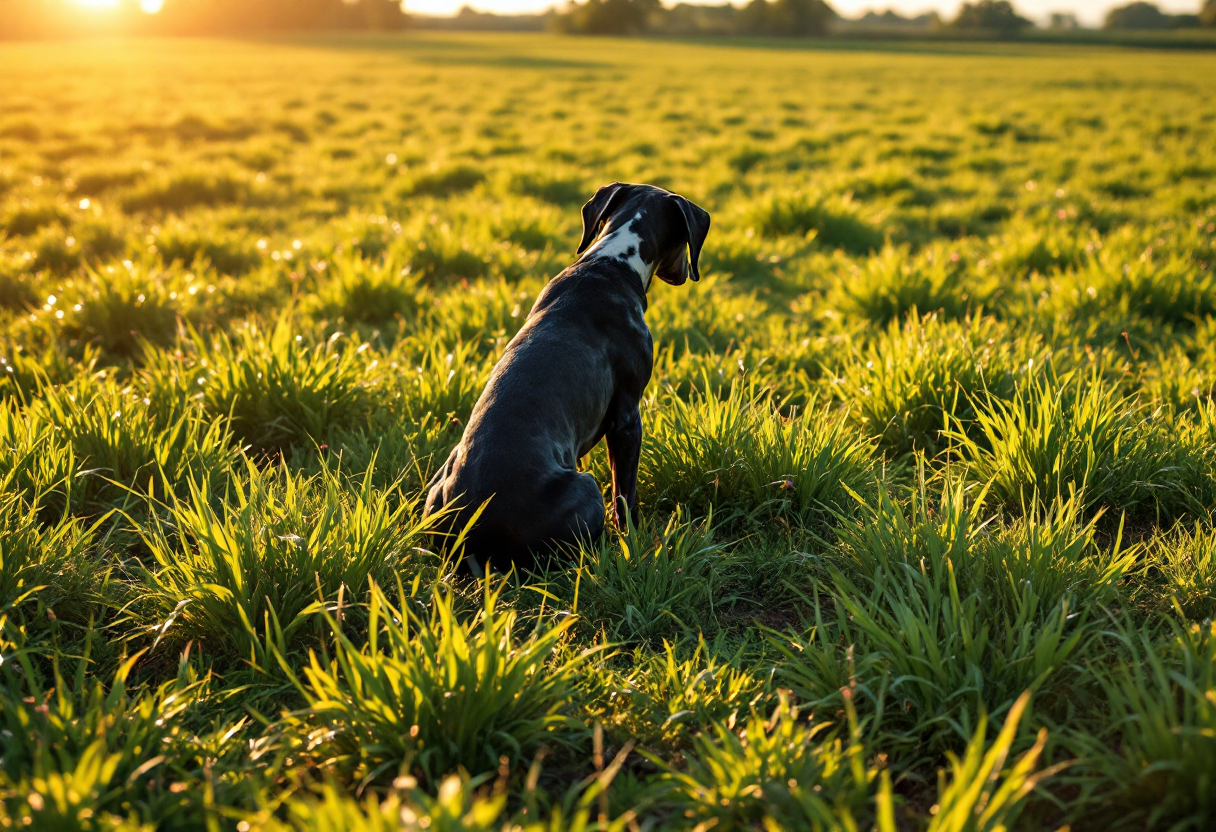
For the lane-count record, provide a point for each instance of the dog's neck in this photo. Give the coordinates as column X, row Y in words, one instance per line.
column 624, row 245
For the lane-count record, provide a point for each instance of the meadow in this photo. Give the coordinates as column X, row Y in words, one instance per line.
column 929, row 470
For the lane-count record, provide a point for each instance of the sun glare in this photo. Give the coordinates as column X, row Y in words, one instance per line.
column 145, row 6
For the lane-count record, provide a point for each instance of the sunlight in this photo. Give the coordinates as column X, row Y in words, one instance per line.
column 145, row 6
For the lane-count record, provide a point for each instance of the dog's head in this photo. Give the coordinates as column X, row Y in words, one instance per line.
column 661, row 231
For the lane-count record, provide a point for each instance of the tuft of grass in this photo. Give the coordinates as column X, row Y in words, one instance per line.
column 920, row 615
column 17, row 291
column 777, row 772
column 181, row 190
column 981, row 794
column 34, row 461
column 920, row 378
column 557, row 190
column 442, row 256
column 893, row 283
column 118, row 310
column 121, row 444
column 369, row 292
column 1169, row 289
column 456, row 807
column 251, row 566
column 55, row 562
column 739, row 456
column 1157, row 763
column 662, row 698
column 81, row 753
column 835, row 224
column 28, row 217
column 1071, row 435
column 649, row 582
column 1183, row 563
column 275, row 388
column 231, row 254
column 444, row 181
column 440, row 385
column 427, row 692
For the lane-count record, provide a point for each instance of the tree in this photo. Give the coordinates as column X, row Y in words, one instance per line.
column 1064, row 21
column 610, row 17
column 1138, row 15
column 991, row 16
column 1207, row 17
column 791, row 18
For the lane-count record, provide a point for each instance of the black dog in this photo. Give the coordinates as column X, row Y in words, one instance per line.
column 572, row 375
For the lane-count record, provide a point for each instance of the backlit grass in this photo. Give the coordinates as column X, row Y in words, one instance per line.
column 925, row 534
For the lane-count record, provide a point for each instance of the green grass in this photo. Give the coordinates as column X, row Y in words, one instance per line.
column 925, row 538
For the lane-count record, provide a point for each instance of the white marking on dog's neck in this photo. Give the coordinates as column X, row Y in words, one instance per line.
column 622, row 244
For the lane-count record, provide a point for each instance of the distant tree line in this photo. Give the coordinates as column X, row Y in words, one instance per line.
column 1141, row 15
column 773, row 18
column 794, row 18
column 811, row 18
column 38, row 18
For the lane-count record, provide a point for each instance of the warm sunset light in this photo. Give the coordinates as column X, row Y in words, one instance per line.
column 145, row 6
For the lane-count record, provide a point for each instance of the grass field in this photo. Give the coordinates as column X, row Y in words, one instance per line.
column 927, row 485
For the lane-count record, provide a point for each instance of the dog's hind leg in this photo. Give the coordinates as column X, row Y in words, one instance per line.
column 575, row 511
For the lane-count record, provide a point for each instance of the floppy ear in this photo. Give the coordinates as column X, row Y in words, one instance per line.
column 597, row 209
column 697, row 220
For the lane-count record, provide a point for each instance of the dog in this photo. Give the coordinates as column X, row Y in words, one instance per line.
column 571, row 376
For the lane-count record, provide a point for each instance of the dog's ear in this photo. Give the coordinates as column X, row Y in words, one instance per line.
column 696, row 219
column 598, row 209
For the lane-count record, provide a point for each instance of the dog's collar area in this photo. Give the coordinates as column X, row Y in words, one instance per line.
column 624, row 245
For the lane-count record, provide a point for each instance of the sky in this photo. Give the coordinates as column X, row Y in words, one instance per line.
column 1089, row 12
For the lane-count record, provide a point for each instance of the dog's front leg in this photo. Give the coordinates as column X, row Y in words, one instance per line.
column 624, row 451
